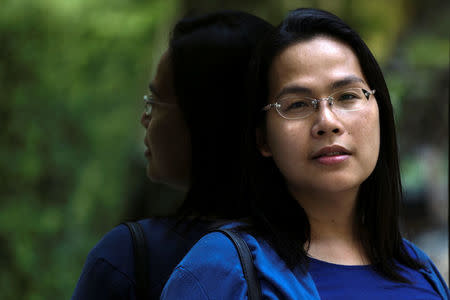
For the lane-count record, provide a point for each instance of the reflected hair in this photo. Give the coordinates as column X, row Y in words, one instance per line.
column 276, row 215
column 210, row 56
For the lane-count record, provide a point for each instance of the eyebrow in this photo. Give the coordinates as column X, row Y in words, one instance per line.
column 298, row 89
column 346, row 81
column 293, row 89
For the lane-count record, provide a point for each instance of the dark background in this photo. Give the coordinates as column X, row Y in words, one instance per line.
column 72, row 76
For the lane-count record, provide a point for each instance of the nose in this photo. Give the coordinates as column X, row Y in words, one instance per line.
column 327, row 122
column 145, row 120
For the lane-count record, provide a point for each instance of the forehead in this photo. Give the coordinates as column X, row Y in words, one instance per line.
column 314, row 63
column 162, row 84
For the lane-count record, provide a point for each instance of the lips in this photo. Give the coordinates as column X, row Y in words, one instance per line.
column 334, row 150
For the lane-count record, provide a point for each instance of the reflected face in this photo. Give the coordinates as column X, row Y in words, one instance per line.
column 167, row 137
column 328, row 151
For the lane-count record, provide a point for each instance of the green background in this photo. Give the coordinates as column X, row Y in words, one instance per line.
column 72, row 76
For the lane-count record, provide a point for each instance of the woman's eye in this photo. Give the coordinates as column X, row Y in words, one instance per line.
column 347, row 96
column 298, row 104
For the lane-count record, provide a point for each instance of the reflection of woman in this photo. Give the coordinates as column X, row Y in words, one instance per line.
column 323, row 180
column 189, row 133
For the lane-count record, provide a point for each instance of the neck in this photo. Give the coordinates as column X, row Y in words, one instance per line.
column 332, row 219
column 330, row 214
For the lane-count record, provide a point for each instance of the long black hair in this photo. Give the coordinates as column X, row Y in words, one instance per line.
column 275, row 213
column 210, row 56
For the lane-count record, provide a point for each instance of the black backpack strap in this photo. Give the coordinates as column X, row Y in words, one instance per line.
column 141, row 262
column 245, row 256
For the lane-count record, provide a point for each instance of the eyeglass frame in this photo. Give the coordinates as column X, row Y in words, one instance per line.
column 316, row 101
column 149, row 101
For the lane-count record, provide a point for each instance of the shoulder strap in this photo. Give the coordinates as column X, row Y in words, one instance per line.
column 245, row 256
column 140, row 260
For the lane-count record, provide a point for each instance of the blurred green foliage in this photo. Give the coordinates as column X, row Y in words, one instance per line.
column 72, row 74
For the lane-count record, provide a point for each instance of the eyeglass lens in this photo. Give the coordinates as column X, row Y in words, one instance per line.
column 147, row 105
column 294, row 106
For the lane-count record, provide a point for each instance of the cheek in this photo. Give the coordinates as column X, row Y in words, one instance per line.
column 159, row 138
column 367, row 136
column 288, row 142
column 153, row 130
column 170, row 150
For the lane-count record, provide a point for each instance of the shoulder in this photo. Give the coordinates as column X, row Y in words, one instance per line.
column 116, row 247
column 430, row 271
column 217, row 249
column 112, row 248
column 107, row 270
column 415, row 252
column 111, row 261
column 420, row 256
column 211, row 267
column 214, row 249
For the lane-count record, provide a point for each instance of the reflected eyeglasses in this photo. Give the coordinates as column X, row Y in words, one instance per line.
column 149, row 101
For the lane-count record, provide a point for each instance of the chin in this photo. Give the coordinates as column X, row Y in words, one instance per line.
column 343, row 185
column 152, row 175
column 341, row 188
column 175, row 183
column 334, row 184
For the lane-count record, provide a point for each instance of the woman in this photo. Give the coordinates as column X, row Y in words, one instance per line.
column 323, row 180
column 190, row 138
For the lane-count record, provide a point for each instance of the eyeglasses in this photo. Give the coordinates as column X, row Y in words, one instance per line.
column 149, row 102
column 299, row 107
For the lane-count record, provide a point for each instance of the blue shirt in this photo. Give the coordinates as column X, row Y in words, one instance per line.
column 109, row 269
column 362, row 282
column 212, row 267
column 212, row 270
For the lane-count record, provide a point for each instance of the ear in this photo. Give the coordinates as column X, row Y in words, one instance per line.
column 261, row 143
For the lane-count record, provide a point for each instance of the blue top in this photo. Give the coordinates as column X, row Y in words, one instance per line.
column 109, row 269
column 362, row 282
column 212, row 270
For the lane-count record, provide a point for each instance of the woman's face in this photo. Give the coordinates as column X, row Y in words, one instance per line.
column 311, row 68
column 167, row 137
